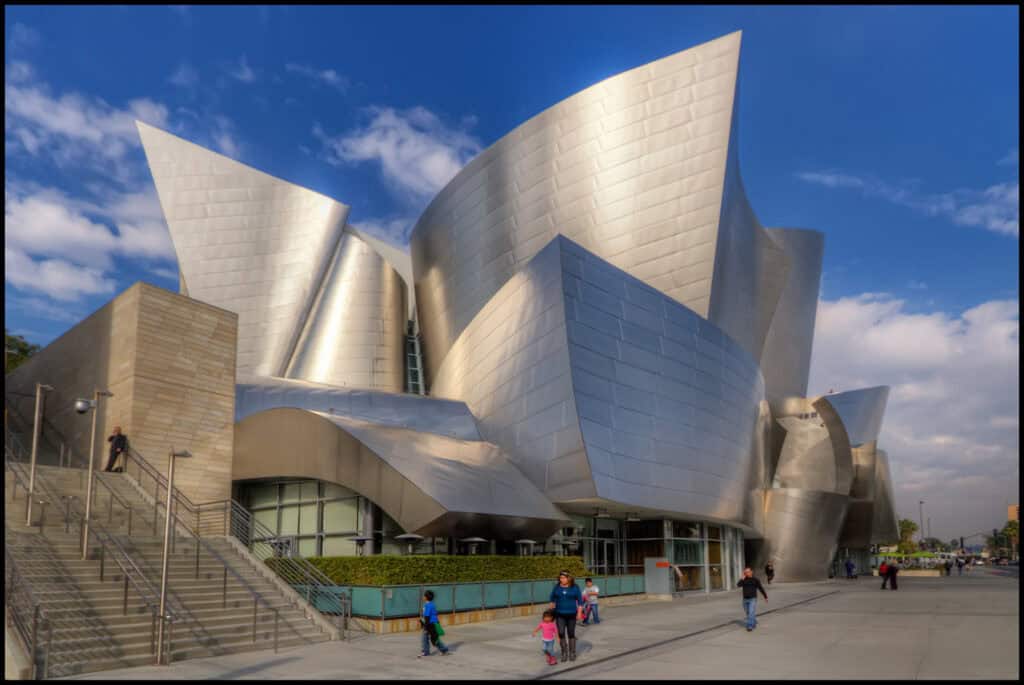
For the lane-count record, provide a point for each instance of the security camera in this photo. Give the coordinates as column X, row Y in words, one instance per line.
column 83, row 406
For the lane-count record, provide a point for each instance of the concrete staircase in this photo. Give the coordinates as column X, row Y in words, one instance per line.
column 215, row 611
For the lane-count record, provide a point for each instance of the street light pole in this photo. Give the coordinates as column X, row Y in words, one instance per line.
column 920, row 505
column 81, row 406
column 35, row 449
column 166, row 554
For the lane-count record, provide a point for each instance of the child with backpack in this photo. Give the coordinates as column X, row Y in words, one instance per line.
column 432, row 630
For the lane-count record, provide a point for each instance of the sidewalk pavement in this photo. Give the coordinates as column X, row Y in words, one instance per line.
column 835, row 629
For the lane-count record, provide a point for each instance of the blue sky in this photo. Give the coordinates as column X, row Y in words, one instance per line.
column 894, row 130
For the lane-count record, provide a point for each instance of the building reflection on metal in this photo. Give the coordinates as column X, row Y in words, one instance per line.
column 606, row 327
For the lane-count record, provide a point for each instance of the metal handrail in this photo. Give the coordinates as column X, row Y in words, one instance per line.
column 44, row 425
column 108, row 544
column 294, row 570
column 27, row 628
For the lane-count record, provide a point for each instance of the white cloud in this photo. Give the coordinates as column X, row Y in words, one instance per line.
column 327, row 76
column 242, row 71
column 395, row 231
column 418, row 154
column 165, row 273
column 45, row 222
column 18, row 72
column 76, row 130
column 184, row 76
column 225, row 138
column 995, row 208
column 954, row 395
column 39, row 308
column 1012, row 158
column 21, row 38
column 57, row 278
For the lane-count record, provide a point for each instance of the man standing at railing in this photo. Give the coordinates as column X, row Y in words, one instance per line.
column 118, row 445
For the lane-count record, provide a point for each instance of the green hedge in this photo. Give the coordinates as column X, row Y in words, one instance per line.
column 412, row 570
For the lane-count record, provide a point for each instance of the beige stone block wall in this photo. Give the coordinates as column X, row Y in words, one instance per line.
column 170, row 362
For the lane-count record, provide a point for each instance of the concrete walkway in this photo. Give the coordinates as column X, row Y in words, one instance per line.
column 958, row 627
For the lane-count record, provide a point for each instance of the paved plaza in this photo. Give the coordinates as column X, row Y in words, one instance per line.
column 931, row 628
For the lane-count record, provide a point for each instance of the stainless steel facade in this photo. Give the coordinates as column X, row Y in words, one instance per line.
column 606, row 325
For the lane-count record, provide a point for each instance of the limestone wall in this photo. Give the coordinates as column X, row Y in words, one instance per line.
column 170, row 362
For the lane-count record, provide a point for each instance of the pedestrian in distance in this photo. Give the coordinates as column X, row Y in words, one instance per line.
column 769, row 571
column 566, row 601
column 883, row 570
column 894, row 568
column 590, row 593
column 751, row 586
column 548, row 632
column 849, row 568
column 949, row 567
column 432, row 630
column 959, row 567
column 118, row 445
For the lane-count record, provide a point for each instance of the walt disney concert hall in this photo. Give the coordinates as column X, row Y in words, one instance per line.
column 591, row 345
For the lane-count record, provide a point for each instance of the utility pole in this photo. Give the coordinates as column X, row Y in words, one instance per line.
column 929, row 527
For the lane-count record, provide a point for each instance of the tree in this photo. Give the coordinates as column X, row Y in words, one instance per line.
column 18, row 350
column 954, row 544
column 1011, row 532
column 907, row 530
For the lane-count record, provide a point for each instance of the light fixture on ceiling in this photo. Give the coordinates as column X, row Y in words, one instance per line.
column 602, row 514
column 632, row 517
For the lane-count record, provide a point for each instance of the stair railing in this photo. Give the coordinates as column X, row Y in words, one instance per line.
column 231, row 518
column 26, row 615
column 103, row 543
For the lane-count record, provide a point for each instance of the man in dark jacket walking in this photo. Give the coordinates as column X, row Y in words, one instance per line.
column 751, row 586
column 118, row 445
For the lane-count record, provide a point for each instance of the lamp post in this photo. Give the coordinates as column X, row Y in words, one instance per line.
column 35, row 448
column 410, row 538
column 82, row 406
column 920, row 513
column 183, row 454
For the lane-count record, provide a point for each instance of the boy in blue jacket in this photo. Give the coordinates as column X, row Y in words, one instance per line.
column 429, row 623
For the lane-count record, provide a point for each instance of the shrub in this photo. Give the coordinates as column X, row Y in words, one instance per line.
column 412, row 570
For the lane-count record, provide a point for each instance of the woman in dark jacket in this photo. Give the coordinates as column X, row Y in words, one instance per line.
column 566, row 600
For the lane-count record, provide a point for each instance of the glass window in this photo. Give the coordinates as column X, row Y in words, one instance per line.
column 645, row 529
column 338, row 546
column 685, row 529
column 714, row 533
column 290, row 492
column 686, row 552
column 261, row 495
column 307, row 547
column 715, row 572
column 289, row 520
column 689, row 578
column 309, row 521
column 341, row 516
column 268, row 517
column 714, row 552
column 309, row 490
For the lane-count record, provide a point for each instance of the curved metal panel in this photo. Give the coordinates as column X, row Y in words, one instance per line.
column 429, row 484
column 861, row 412
column 355, row 333
column 601, row 387
column 631, row 168
column 246, row 242
column 786, row 359
column 815, row 452
column 802, row 528
column 415, row 412
column 750, row 270
column 884, row 526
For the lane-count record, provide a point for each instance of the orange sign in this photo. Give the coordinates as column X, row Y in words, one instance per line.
column 662, row 564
